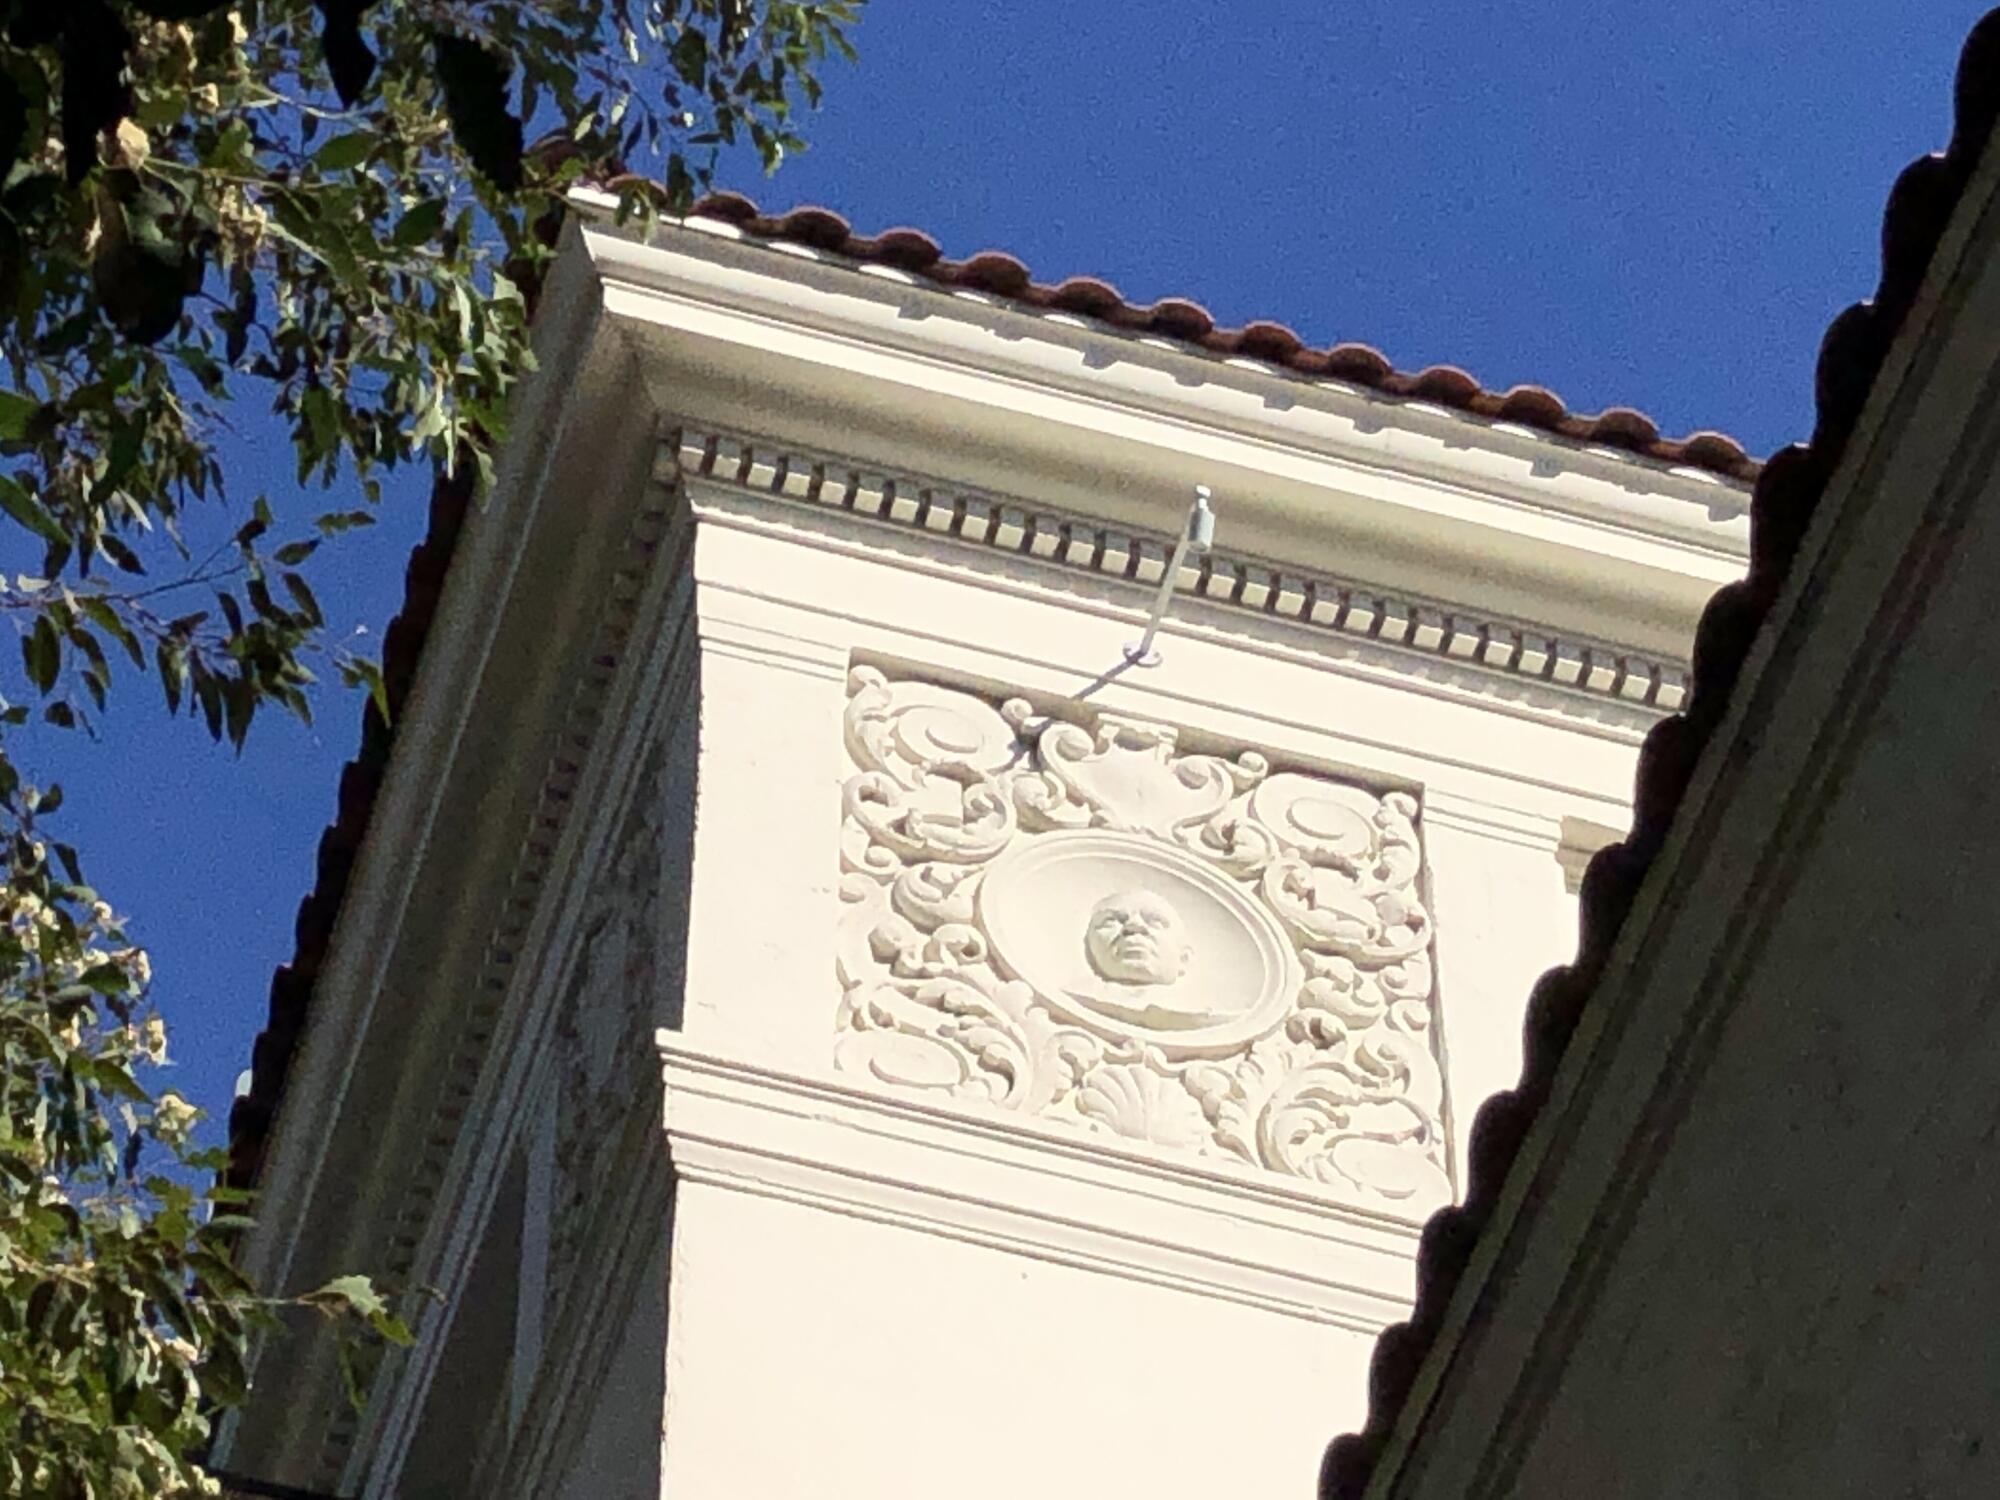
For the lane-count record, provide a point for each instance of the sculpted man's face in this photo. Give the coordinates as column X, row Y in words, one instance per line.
column 1135, row 937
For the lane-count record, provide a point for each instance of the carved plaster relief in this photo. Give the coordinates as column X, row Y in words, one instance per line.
column 602, row 1062
column 1086, row 924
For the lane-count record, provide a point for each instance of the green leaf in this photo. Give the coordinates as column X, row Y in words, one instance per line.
column 351, row 1381
column 239, row 703
column 257, row 525
column 304, row 219
column 360, row 672
column 107, row 619
column 690, row 56
column 16, row 411
column 108, row 979
column 335, row 522
column 303, row 597
column 31, row 513
column 431, row 420
column 172, row 664
column 322, row 414
column 345, row 1294
column 115, row 549
column 41, row 653
column 232, row 149
column 418, row 226
column 345, row 151
column 392, row 1329
column 208, row 694
column 203, row 367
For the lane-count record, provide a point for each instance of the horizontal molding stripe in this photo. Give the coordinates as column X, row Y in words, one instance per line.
column 1515, row 650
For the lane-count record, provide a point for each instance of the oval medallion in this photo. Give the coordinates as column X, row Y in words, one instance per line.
column 1135, row 938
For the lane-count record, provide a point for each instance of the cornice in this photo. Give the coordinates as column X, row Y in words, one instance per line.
column 1346, row 609
column 816, row 355
column 910, row 253
column 443, row 1203
column 396, row 1053
column 702, row 258
column 1116, row 1208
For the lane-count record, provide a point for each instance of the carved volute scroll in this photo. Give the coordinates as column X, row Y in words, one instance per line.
column 1084, row 924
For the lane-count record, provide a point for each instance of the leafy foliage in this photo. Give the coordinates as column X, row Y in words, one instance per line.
column 327, row 204
column 122, row 1319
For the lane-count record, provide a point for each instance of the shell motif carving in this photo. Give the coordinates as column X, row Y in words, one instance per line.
column 1081, row 923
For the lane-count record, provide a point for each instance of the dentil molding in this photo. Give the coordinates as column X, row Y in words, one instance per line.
column 1351, row 610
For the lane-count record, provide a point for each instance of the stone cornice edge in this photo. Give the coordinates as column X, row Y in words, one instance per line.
column 1026, row 1189
column 1352, row 610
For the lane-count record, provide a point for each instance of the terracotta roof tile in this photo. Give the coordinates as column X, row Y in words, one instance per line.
column 1001, row 275
column 253, row 1112
column 1787, row 493
column 251, row 1115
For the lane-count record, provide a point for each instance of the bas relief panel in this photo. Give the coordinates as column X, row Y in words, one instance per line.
column 1087, row 925
column 601, row 1053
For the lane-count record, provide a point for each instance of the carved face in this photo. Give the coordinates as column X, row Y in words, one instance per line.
column 1135, row 937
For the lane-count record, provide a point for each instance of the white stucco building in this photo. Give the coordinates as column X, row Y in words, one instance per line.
column 823, row 1016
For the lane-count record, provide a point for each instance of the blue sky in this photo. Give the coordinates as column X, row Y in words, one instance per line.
column 1634, row 204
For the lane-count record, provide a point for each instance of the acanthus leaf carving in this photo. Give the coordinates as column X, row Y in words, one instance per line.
column 1083, row 923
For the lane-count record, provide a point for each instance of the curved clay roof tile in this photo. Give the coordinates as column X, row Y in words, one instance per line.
column 1272, row 341
column 731, row 208
column 1445, row 384
column 1178, row 318
column 1089, row 296
column 993, row 271
column 1362, row 364
column 1624, row 428
column 1532, row 406
column 1715, row 450
column 820, row 228
column 906, row 249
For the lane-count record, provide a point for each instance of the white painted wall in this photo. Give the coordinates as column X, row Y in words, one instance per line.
column 818, row 1354
column 864, row 1302
column 870, row 1291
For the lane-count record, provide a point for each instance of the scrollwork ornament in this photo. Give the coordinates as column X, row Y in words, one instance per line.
column 910, row 730
column 977, row 827
column 935, row 893
column 1078, row 922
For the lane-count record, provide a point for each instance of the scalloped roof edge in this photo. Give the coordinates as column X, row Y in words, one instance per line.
column 996, row 274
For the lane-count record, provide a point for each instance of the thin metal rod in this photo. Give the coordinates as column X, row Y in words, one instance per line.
column 1161, row 600
column 1195, row 534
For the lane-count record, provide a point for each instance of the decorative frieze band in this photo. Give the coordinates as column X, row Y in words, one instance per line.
column 1350, row 609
